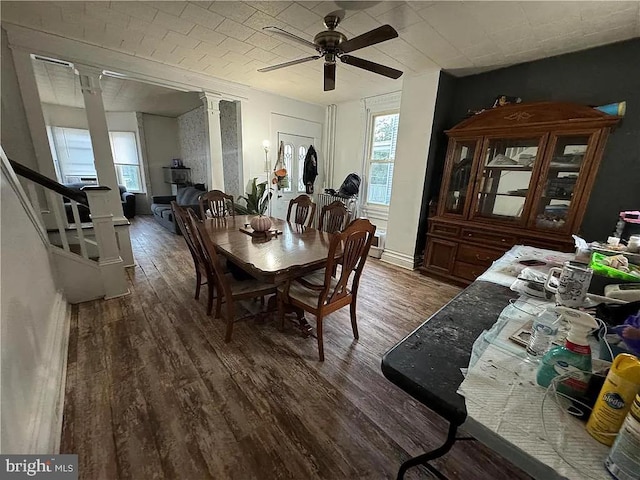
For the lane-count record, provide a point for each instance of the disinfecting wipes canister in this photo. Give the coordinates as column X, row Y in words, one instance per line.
column 616, row 396
column 623, row 461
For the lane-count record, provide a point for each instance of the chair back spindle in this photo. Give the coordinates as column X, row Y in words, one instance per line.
column 209, row 252
column 303, row 210
column 218, row 203
column 333, row 217
column 355, row 242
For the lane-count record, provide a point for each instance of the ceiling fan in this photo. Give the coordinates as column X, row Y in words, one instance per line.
column 332, row 45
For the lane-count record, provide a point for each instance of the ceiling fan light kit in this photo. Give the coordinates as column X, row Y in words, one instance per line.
column 333, row 45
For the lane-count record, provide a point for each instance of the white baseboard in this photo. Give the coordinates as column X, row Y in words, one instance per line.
column 399, row 259
column 46, row 425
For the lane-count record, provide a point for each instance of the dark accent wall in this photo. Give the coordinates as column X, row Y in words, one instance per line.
column 442, row 119
column 597, row 76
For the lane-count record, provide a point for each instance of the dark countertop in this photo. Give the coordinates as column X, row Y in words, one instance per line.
column 426, row 364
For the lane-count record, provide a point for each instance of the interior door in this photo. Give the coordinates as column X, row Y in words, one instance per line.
column 295, row 150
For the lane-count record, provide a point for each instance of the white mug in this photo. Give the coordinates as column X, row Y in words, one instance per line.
column 572, row 285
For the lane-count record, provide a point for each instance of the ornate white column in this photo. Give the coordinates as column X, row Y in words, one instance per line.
column 102, row 154
column 215, row 169
column 111, row 264
column 99, row 131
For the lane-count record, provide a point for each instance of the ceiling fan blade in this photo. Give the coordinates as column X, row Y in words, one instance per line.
column 291, row 36
column 371, row 66
column 288, row 64
column 329, row 76
column 377, row 35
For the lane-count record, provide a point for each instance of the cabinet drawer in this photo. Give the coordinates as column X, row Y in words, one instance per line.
column 478, row 255
column 444, row 229
column 549, row 245
column 495, row 238
column 467, row 271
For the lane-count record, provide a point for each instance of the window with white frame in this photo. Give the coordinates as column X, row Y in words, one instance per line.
column 294, row 163
column 125, row 159
column 381, row 157
column 302, row 153
column 288, row 164
column 73, row 153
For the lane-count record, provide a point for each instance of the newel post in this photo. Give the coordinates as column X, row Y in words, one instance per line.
column 112, row 269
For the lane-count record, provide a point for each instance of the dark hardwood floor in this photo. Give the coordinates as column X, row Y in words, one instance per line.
column 154, row 392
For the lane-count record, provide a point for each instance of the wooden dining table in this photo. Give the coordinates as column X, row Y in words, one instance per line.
column 292, row 252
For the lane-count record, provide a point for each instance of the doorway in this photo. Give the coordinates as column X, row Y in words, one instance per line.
column 295, row 151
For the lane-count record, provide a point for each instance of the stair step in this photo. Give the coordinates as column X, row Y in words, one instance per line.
column 72, row 227
column 75, row 248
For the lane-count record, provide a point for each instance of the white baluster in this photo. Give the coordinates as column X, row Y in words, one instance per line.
column 55, row 206
column 76, row 219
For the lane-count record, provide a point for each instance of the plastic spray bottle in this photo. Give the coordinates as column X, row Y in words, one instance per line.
column 574, row 356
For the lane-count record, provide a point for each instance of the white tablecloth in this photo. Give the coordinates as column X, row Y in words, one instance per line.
column 504, row 403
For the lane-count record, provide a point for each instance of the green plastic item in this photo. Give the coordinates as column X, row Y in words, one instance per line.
column 601, row 269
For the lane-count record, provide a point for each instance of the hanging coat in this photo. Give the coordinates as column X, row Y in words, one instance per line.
column 310, row 171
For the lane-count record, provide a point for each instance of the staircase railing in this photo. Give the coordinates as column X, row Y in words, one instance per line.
column 94, row 198
column 56, row 205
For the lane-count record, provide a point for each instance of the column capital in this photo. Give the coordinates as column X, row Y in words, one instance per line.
column 89, row 78
column 211, row 100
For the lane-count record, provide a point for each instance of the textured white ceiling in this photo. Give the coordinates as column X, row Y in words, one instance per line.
column 224, row 38
column 59, row 85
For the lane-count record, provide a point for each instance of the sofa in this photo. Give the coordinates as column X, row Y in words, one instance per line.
column 128, row 202
column 187, row 197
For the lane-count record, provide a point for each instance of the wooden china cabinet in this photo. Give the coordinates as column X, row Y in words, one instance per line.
column 518, row 174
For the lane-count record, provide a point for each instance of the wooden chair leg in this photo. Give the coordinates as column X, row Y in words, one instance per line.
column 218, row 305
column 210, row 299
column 280, row 311
column 320, row 342
column 198, row 283
column 229, row 319
column 354, row 324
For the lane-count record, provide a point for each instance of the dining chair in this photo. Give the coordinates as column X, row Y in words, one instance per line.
column 333, row 217
column 320, row 293
column 199, row 261
column 218, row 203
column 304, row 212
column 230, row 290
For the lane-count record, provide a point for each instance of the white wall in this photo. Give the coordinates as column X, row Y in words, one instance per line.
column 352, row 120
column 350, row 141
column 34, row 334
column 263, row 116
column 161, row 142
column 414, row 136
column 15, row 135
column 417, row 105
column 257, row 125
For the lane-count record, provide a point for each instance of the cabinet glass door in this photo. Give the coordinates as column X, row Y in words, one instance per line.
column 506, row 171
column 460, row 176
column 559, row 185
